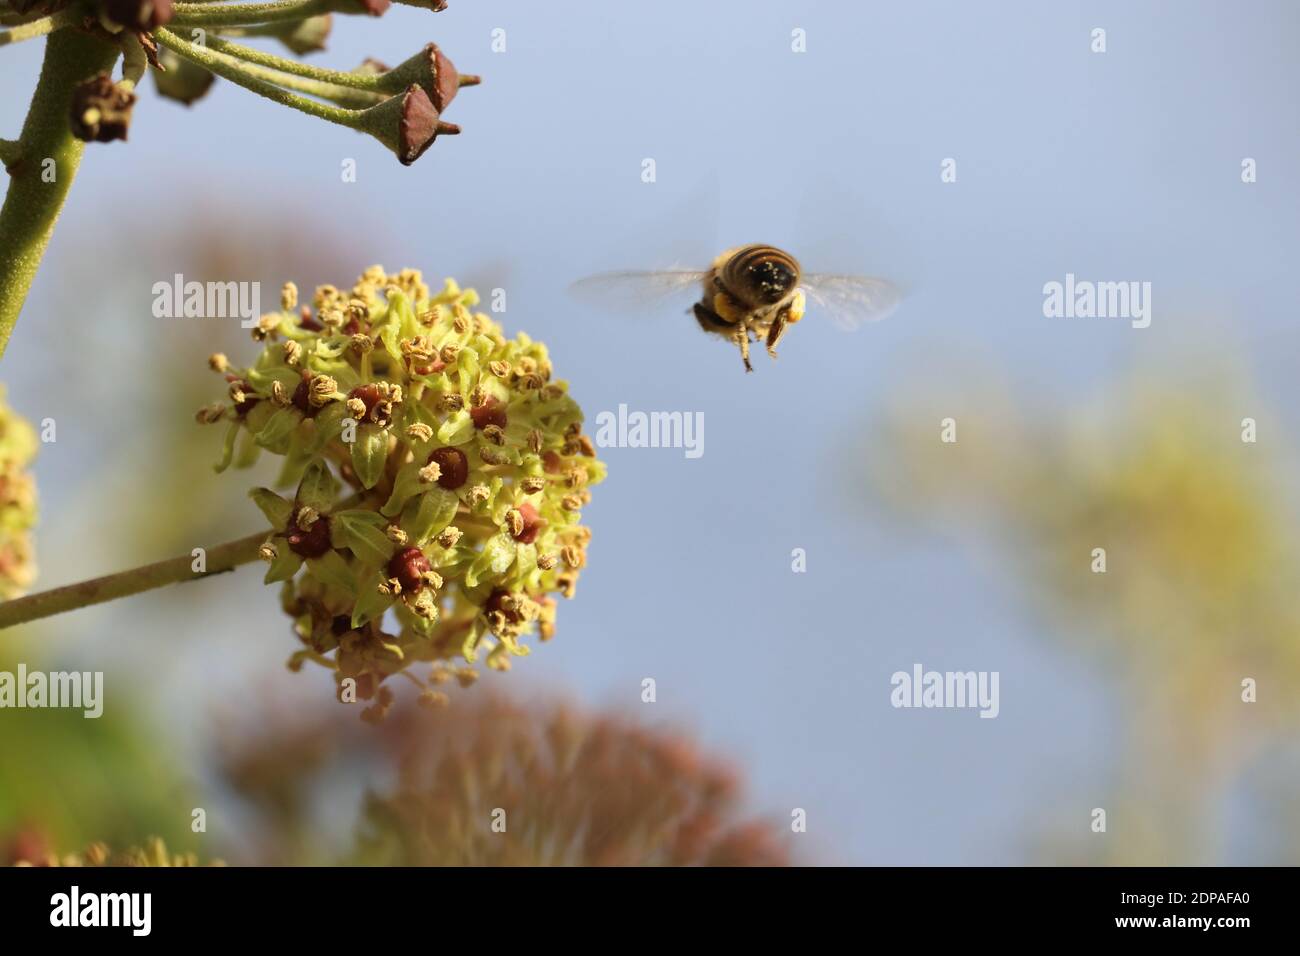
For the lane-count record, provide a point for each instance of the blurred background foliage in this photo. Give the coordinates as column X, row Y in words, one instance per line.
column 1199, row 589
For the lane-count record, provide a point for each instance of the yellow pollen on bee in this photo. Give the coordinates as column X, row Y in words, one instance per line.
column 726, row 308
column 797, row 306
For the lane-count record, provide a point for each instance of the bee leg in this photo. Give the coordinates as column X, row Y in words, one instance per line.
column 742, row 339
column 776, row 332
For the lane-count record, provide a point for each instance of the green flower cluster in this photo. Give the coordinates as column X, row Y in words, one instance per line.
column 153, row 853
column 439, row 470
column 17, row 502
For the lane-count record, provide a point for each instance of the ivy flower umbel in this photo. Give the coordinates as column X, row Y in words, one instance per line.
column 153, row 853
column 439, row 473
column 17, row 502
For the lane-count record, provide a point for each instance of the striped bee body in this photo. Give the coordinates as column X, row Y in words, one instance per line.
column 751, row 292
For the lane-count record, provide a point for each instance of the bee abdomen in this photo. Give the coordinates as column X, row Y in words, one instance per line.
column 760, row 274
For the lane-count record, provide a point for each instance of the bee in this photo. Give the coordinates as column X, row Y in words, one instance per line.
column 755, row 293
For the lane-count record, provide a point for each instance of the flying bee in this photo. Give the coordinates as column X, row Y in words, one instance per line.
column 755, row 293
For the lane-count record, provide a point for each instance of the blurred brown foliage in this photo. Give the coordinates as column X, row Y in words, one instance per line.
column 575, row 789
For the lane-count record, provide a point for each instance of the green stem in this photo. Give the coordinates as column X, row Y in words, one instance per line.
column 224, row 557
column 341, row 95
column 231, row 70
column 34, row 199
column 244, row 14
column 39, row 28
column 134, row 60
column 357, row 81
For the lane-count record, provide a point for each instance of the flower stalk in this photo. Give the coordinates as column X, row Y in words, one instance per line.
column 39, row 28
column 231, row 70
column 249, row 14
column 222, row 558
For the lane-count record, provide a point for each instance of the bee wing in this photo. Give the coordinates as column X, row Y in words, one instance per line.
column 634, row 291
column 850, row 301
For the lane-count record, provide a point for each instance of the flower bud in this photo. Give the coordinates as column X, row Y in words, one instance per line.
column 306, row 36
column 433, row 72
column 409, row 566
column 179, row 79
column 407, row 123
column 101, row 110
column 453, row 467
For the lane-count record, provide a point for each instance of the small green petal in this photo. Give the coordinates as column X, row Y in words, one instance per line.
column 326, row 426
column 498, row 554
column 227, row 448
column 429, row 514
column 318, row 488
column 371, row 603
column 369, row 454
column 405, row 487
column 274, row 435
column 362, row 532
column 457, row 429
column 276, row 509
column 285, row 565
column 477, row 631
column 333, row 572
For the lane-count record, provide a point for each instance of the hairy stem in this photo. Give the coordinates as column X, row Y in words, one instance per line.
column 39, row 28
column 230, row 69
column 244, row 14
column 224, row 557
column 38, row 189
column 359, row 81
column 340, row 95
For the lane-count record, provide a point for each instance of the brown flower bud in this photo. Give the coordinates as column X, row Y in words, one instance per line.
column 446, row 81
column 525, row 531
column 491, row 412
column 101, row 110
column 302, row 395
column 375, row 402
column 409, row 566
column 309, row 542
column 453, row 467
column 407, row 123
